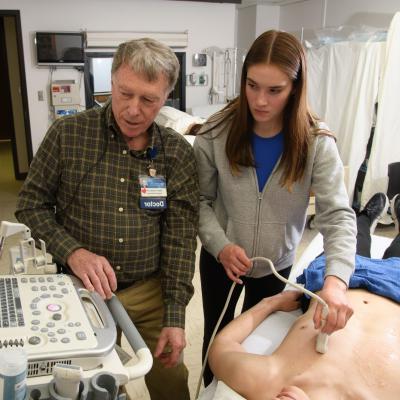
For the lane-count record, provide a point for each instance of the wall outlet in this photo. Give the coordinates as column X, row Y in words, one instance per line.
column 202, row 80
column 197, row 79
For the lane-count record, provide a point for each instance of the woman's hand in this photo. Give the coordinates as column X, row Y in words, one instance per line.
column 235, row 262
column 340, row 310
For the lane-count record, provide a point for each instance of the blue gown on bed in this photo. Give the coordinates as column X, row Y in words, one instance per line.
column 381, row 277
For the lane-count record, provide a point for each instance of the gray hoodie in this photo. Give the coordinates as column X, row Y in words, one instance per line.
column 270, row 224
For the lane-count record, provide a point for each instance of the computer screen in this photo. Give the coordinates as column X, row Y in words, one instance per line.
column 57, row 48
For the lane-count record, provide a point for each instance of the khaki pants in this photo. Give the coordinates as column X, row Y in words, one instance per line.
column 144, row 304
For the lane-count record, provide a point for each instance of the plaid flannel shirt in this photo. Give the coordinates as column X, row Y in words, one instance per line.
column 83, row 191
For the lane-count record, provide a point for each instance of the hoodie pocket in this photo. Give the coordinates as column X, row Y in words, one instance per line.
column 273, row 242
column 242, row 234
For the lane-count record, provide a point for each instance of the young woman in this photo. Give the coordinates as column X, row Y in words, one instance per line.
column 258, row 160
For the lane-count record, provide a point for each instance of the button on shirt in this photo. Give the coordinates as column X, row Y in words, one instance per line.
column 85, row 170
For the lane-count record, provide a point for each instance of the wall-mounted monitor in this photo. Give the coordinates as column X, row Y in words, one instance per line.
column 60, row 48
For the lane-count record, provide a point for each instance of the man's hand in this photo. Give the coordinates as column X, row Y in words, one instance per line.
column 94, row 271
column 288, row 300
column 340, row 311
column 235, row 262
column 170, row 345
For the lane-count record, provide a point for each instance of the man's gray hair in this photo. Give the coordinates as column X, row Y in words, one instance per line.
column 148, row 57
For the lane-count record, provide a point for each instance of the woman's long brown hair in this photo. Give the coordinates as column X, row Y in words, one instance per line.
column 286, row 52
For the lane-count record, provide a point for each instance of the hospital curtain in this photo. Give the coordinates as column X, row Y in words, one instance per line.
column 386, row 145
column 343, row 83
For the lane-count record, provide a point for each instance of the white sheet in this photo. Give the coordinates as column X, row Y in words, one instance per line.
column 178, row 120
column 345, row 80
column 342, row 89
column 385, row 147
column 270, row 333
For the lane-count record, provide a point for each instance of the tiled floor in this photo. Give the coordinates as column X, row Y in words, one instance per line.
column 194, row 325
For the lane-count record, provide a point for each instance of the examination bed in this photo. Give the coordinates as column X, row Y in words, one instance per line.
column 270, row 333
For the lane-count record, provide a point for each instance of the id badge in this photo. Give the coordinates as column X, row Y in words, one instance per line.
column 153, row 192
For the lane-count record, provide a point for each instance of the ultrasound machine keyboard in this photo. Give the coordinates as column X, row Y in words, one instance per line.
column 48, row 316
column 11, row 308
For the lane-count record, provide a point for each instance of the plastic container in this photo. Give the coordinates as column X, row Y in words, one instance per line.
column 13, row 366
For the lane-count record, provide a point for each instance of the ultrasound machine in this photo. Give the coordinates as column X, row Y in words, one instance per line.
column 68, row 333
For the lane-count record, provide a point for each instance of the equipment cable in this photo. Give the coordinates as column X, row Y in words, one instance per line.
column 322, row 338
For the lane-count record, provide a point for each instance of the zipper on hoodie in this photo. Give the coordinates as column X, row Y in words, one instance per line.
column 260, row 196
column 258, row 211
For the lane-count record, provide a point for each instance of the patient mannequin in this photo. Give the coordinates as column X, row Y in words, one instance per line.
column 362, row 361
column 178, row 120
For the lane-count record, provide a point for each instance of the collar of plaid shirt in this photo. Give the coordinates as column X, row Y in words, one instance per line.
column 155, row 138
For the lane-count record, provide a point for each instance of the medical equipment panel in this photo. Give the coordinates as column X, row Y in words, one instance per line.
column 65, row 97
column 55, row 320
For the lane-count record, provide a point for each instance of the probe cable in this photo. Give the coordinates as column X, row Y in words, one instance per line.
column 322, row 338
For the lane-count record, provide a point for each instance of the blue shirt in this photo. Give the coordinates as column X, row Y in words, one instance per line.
column 266, row 152
column 381, row 277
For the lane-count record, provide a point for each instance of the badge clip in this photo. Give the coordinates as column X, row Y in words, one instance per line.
column 151, row 154
column 151, row 169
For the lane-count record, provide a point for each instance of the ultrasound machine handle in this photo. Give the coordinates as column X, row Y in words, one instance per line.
column 134, row 339
column 106, row 335
column 112, row 312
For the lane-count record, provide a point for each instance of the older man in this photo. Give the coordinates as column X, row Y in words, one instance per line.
column 116, row 199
